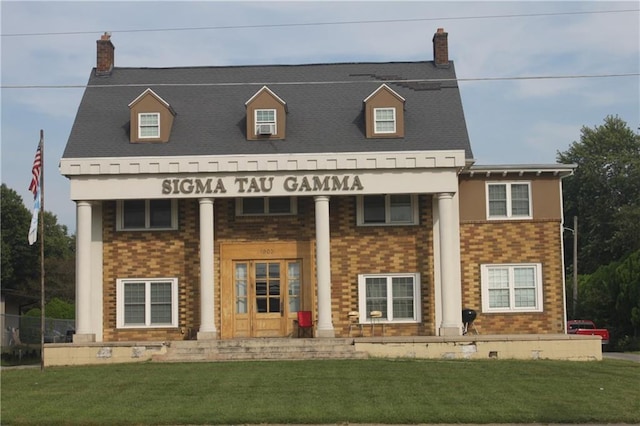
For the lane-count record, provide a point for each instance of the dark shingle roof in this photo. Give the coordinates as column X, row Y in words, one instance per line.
column 324, row 101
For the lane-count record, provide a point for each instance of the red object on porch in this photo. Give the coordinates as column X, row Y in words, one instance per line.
column 305, row 323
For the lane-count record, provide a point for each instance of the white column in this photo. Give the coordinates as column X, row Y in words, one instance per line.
column 451, row 292
column 84, row 333
column 207, row 329
column 323, row 267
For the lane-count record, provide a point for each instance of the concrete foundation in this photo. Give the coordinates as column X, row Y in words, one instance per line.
column 523, row 347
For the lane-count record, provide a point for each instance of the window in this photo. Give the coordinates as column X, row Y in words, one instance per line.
column 147, row 302
column 147, row 214
column 265, row 122
column 385, row 120
column 262, row 206
column 149, row 125
column 390, row 209
column 395, row 295
column 511, row 288
column 509, row 200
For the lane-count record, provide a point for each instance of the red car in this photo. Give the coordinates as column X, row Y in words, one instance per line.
column 588, row 328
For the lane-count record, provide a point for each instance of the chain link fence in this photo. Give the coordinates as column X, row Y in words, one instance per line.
column 22, row 333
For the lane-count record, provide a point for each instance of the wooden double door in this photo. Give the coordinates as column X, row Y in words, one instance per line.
column 265, row 293
column 262, row 294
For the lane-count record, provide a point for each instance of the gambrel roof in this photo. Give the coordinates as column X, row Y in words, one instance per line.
column 324, row 101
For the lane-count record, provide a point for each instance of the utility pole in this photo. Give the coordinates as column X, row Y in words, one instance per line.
column 575, row 265
column 574, row 231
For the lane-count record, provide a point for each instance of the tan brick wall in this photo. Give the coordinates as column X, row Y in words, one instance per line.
column 153, row 255
column 514, row 242
column 354, row 250
column 379, row 249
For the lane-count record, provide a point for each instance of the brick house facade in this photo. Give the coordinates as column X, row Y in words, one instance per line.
column 220, row 210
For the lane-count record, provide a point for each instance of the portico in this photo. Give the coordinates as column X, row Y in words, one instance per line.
column 310, row 178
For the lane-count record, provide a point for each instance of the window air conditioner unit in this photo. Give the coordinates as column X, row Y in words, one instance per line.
column 266, row 129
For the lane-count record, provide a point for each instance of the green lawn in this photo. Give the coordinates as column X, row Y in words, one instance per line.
column 354, row 391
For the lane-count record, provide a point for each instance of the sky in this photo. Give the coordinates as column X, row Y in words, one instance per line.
column 532, row 73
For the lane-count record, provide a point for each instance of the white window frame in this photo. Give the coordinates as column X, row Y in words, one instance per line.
column 510, row 268
column 272, row 123
column 147, row 210
column 293, row 208
column 387, row 211
column 140, row 126
column 120, row 302
column 509, row 201
column 376, row 121
column 388, row 316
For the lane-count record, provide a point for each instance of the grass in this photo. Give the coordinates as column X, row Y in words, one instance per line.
column 340, row 391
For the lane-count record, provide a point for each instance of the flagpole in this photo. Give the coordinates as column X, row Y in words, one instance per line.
column 42, row 302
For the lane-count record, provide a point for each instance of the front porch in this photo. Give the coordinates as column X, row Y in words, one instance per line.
column 525, row 347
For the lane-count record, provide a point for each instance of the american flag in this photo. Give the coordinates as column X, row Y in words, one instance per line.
column 35, row 171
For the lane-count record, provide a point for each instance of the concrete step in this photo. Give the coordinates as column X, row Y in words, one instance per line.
column 259, row 349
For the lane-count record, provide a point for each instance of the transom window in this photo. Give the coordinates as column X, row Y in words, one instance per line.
column 149, row 125
column 510, row 200
column 389, row 209
column 395, row 295
column 385, row 120
column 147, row 302
column 265, row 122
column 509, row 288
column 262, row 206
column 147, row 214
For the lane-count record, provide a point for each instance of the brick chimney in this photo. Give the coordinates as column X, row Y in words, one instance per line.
column 440, row 48
column 105, row 55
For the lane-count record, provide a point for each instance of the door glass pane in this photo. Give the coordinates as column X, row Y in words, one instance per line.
column 241, row 288
column 261, row 305
column 274, row 270
column 274, row 304
column 274, row 287
column 293, row 275
column 261, row 288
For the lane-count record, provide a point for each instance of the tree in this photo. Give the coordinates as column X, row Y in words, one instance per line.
column 21, row 262
column 19, row 259
column 604, row 193
column 611, row 297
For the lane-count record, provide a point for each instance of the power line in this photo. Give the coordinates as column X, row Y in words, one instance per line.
column 294, row 83
column 309, row 24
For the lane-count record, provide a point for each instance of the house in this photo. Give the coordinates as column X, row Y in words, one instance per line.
column 217, row 202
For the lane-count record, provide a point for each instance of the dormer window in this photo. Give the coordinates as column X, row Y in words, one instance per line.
column 265, row 122
column 151, row 118
column 384, row 114
column 266, row 116
column 385, row 120
column 149, row 125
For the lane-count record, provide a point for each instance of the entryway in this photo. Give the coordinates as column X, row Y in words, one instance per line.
column 263, row 288
column 265, row 293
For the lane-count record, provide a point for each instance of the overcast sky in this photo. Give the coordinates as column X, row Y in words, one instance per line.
column 510, row 119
